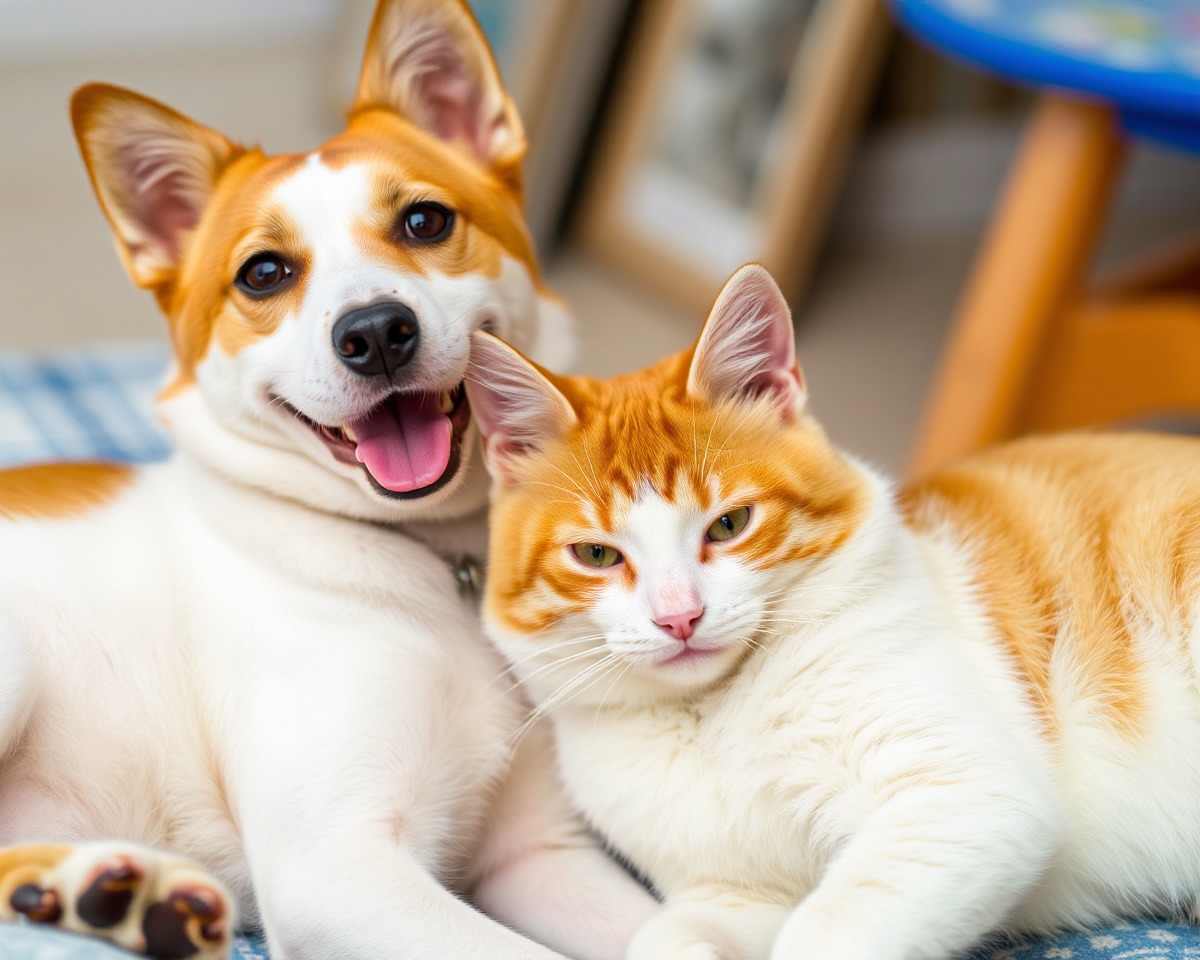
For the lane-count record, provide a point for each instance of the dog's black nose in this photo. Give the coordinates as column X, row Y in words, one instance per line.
column 377, row 340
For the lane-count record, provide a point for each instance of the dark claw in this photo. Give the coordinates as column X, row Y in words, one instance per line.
column 37, row 904
column 106, row 902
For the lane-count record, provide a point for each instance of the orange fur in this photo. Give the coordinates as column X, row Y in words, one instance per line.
column 60, row 489
column 374, row 90
column 645, row 429
column 1077, row 536
column 24, row 864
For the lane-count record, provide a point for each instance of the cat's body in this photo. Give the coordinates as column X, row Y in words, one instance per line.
column 884, row 671
column 887, row 728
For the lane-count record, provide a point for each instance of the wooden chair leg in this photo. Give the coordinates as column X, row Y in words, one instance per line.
column 1031, row 266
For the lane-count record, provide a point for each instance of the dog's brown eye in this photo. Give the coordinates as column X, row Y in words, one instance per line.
column 262, row 274
column 427, row 221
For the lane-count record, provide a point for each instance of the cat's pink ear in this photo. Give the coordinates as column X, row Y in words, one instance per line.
column 747, row 347
column 516, row 407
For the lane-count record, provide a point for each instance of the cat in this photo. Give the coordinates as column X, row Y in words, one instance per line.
column 824, row 719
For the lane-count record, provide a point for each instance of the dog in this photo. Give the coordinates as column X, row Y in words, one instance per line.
column 243, row 681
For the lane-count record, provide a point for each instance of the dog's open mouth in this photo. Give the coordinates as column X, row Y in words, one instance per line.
column 409, row 446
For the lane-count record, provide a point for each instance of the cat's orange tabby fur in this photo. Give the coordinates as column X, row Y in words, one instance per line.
column 827, row 720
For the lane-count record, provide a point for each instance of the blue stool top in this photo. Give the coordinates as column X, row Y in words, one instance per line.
column 1142, row 55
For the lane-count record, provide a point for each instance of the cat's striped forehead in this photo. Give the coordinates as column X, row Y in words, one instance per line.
column 643, row 437
column 646, row 431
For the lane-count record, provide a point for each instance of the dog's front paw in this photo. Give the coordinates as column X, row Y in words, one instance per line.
column 139, row 899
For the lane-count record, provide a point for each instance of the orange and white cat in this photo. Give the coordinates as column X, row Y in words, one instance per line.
column 824, row 720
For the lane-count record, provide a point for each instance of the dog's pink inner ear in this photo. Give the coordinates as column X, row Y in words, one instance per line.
column 154, row 171
column 427, row 61
column 454, row 101
column 163, row 199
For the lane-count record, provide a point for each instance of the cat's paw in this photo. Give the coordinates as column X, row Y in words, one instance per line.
column 139, row 899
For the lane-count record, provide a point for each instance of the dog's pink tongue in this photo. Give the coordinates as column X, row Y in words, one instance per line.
column 405, row 443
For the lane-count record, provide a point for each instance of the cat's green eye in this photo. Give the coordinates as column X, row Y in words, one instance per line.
column 729, row 525
column 597, row 554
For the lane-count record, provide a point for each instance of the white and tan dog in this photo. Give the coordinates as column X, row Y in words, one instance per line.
column 236, row 657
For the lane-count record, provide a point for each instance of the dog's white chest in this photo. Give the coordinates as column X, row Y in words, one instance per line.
column 198, row 638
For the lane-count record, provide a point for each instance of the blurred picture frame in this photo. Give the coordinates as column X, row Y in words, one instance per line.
column 730, row 127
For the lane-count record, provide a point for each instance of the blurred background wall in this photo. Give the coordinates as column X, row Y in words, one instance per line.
column 898, row 217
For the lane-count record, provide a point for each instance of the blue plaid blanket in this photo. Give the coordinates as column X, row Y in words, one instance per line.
column 84, row 405
column 24, row 941
column 1151, row 940
column 99, row 403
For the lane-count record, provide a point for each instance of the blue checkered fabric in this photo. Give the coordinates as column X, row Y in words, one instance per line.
column 1149, row 940
column 82, row 405
column 25, row 941
column 1143, row 940
column 249, row 948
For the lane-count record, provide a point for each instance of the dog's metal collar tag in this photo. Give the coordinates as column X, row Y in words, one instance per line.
column 468, row 573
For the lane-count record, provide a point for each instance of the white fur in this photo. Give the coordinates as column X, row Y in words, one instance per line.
column 869, row 779
column 225, row 663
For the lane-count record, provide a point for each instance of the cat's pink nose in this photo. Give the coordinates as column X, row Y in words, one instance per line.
column 681, row 625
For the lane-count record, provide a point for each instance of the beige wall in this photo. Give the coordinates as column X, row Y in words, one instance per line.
column 60, row 281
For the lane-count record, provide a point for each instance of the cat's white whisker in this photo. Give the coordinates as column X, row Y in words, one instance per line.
column 549, row 648
column 724, row 443
column 573, row 494
column 595, row 483
column 508, row 673
column 562, row 662
column 695, row 445
column 566, row 476
column 564, row 693
column 567, row 686
column 600, row 706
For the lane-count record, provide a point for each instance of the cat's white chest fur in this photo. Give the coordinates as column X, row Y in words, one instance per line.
column 715, row 811
column 758, row 784
column 886, row 737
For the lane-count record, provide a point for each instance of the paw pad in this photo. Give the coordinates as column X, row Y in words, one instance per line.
column 40, row 906
column 105, row 902
column 177, row 926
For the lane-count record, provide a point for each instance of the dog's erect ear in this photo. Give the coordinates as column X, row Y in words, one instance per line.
column 428, row 61
column 154, row 171
column 747, row 347
column 513, row 402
